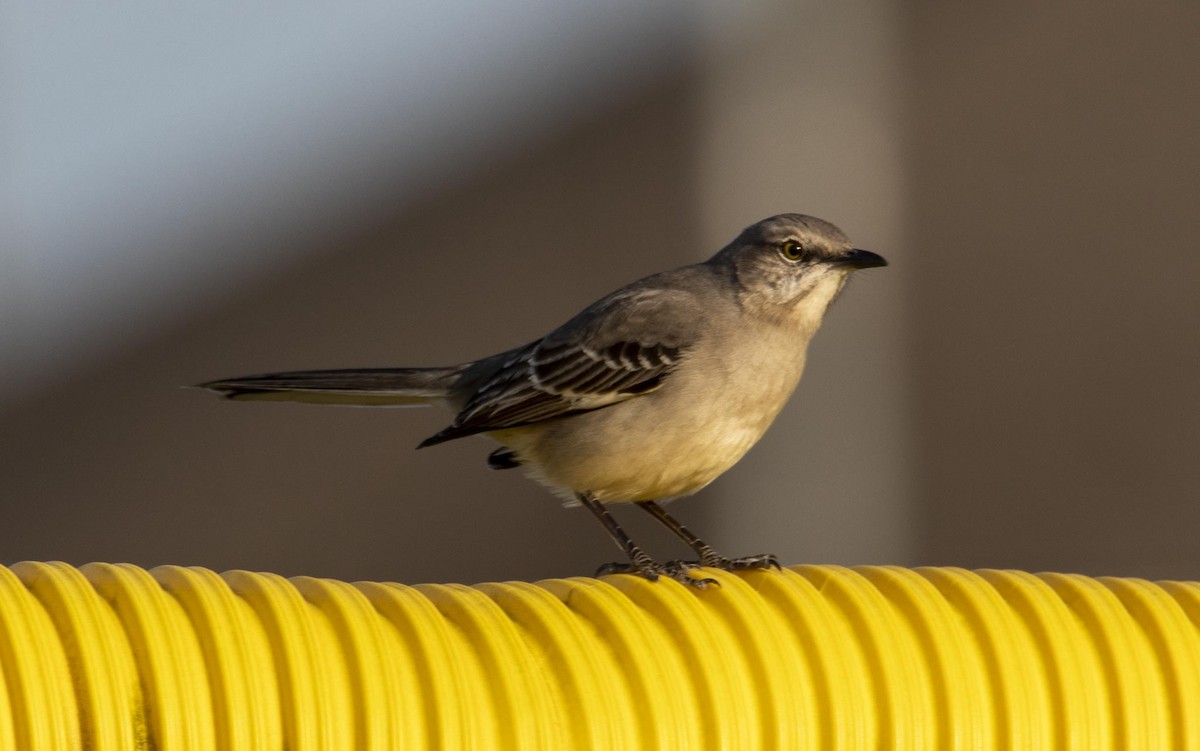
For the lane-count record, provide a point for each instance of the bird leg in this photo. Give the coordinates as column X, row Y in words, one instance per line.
column 708, row 556
column 639, row 563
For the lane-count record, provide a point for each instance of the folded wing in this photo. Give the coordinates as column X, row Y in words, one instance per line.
column 622, row 347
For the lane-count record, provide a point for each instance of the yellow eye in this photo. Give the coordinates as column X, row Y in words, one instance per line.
column 792, row 250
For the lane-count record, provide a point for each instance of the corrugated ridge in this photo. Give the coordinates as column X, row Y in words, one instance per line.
column 111, row 656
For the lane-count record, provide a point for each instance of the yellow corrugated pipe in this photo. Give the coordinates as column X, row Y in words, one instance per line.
column 814, row 657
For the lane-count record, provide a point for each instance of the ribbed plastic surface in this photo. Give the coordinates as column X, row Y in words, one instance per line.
column 815, row 657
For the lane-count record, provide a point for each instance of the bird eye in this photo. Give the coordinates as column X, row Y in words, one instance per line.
column 792, row 250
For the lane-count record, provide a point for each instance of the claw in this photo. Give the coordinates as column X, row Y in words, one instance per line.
column 761, row 561
column 649, row 569
column 617, row 567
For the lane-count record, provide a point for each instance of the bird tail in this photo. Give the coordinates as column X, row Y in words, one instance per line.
column 395, row 387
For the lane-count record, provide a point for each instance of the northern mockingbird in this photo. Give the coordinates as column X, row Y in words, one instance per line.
column 648, row 394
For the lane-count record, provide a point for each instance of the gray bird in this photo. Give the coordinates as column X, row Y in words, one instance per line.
column 648, row 394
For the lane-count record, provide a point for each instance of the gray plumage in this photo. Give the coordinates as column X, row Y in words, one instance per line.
column 651, row 392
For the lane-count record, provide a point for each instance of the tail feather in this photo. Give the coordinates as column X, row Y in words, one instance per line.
column 372, row 386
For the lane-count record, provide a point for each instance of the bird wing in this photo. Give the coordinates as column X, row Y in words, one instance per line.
column 621, row 347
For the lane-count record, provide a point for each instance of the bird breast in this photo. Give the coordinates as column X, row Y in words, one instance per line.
column 673, row 441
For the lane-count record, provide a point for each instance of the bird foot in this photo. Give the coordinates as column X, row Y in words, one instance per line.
column 651, row 569
column 749, row 562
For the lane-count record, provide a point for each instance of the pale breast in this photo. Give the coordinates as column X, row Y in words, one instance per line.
column 674, row 441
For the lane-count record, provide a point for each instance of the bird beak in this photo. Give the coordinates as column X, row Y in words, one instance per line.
column 860, row 259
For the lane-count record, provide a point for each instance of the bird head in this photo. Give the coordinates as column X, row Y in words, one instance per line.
column 790, row 267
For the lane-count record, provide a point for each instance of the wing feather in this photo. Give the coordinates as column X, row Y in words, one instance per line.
column 622, row 347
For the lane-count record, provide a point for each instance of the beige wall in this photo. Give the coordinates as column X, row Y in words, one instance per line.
column 123, row 465
column 1016, row 390
column 1056, row 285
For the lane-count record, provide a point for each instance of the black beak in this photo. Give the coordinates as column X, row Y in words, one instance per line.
column 860, row 259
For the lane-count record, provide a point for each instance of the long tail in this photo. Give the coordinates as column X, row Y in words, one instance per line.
column 396, row 387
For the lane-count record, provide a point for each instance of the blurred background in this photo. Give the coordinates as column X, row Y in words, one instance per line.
column 200, row 191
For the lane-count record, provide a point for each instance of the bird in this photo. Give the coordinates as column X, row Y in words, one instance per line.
column 646, row 395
